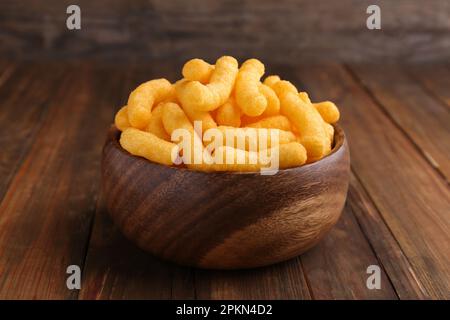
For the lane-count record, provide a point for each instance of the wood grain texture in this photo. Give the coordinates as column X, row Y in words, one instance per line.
column 280, row 281
column 117, row 269
column 23, row 106
column 235, row 220
column 412, row 198
column 434, row 78
column 274, row 31
column 337, row 267
column 423, row 118
column 46, row 213
column 390, row 255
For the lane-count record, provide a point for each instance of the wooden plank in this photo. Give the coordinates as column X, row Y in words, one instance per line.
column 337, row 267
column 45, row 216
column 388, row 251
column 281, row 281
column 412, row 198
column 6, row 70
column 24, row 104
column 116, row 268
column 435, row 79
column 420, row 116
column 181, row 30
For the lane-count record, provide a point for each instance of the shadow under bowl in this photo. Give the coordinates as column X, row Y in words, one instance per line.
column 224, row 220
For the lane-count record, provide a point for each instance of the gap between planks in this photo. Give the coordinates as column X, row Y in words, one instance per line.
column 434, row 79
column 441, row 167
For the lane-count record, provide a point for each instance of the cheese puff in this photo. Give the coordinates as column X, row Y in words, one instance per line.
column 249, row 137
column 330, row 132
column 246, row 120
column 121, row 119
column 149, row 146
column 248, row 96
column 282, row 87
column 174, row 118
column 271, row 80
column 304, row 117
column 291, row 154
column 269, row 112
column 227, row 158
column 231, row 159
column 142, row 99
column 155, row 125
column 328, row 111
column 304, row 96
column 273, row 103
column 197, row 96
column 229, row 114
column 197, row 70
column 195, row 115
column 329, row 129
column 275, row 122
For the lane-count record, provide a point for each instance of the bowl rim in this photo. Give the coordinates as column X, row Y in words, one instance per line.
column 339, row 140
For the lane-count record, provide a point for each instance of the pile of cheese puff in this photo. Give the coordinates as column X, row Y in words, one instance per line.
column 226, row 98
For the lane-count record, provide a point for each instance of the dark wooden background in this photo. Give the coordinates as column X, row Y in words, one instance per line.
column 275, row 31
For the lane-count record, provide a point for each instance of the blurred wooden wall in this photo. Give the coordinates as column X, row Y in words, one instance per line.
column 307, row 30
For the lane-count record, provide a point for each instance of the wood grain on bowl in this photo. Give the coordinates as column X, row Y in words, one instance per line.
column 223, row 220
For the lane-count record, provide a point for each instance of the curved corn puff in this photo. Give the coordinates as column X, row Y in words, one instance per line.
column 275, row 122
column 330, row 132
column 291, row 154
column 174, row 118
column 142, row 99
column 283, row 87
column 197, row 70
column 229, row 114
column 155, row 125
column 328, row 111
column 273, row 103
column 250, row 137
column 194, row 115
column 271, row 80
column 197, row 96
column 304, row 117
column 329, row 129
column 248, row 96
column 231, row 159
column 147, row 145
column 121, row 119
column 304, row 96
column 246, row 120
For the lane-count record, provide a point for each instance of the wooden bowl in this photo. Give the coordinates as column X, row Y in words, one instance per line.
column 224, row 220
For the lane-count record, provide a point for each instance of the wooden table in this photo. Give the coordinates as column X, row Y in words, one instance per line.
column 53, row 120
